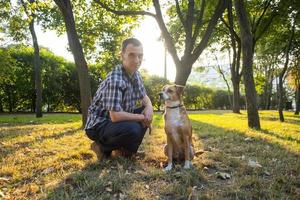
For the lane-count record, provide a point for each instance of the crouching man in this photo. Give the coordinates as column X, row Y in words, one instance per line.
column 114, row 121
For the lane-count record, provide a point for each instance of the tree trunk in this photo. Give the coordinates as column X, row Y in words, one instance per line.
column 297, row 100
column 280, row 99
column 182, row 72
column 236, row 96
column 37, row 72
column 282, row 73
column 77, row 51
column 269, row 93
column 235, row 62
column 247, row 52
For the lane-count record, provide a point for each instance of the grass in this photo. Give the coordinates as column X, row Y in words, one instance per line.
column 49, row 158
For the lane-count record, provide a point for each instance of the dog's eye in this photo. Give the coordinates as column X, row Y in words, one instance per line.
column 169, row 90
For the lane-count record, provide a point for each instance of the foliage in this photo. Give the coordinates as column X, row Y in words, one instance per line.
column 99, row 31
column 18, row 86
column 153, row 85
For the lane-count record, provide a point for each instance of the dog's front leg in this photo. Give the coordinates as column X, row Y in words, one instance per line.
column 187, row 152
column 169, row 154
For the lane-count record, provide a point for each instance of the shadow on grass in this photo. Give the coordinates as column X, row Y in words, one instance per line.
column 7, row 150
column 287, row 138
column 114, row 178
column 287, row 119
column 230, row 151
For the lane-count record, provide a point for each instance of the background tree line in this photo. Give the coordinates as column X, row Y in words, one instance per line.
column 60, row 85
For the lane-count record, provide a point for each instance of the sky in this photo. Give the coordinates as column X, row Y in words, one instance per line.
column 148, row 33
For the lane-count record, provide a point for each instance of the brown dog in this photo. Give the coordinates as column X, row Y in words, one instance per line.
column 177, row 127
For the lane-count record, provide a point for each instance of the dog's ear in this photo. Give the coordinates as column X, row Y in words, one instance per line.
column 179, row 89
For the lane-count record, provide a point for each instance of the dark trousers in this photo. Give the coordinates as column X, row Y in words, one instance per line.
column 126, row 135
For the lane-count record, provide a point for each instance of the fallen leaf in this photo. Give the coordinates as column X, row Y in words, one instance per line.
column 127, row 173
column 108, row 189
column 267, row 173
column 192, row 194
column 48, row 170
column 254, row 164
column 109, row 183
column 121, row 196
column 4, row 179
column 248, row 139
column 161, row 164
column 140, row 172
column 147, row 187
column 223, row 175
column 198, row 153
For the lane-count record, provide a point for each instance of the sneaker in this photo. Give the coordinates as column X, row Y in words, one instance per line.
column 97, row 149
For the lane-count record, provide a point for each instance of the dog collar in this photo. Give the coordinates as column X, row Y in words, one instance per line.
column 171, row 107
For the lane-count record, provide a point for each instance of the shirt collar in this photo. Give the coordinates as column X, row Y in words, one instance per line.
column 133, row 78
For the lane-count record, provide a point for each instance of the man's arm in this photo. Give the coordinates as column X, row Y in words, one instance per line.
column 125, row 116
column 146, row 117
column 148, row 111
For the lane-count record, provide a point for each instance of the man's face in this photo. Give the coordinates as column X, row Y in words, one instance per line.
column 132, row 58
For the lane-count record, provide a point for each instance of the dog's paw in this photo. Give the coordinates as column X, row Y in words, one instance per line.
column 168, row 168
column 187, row 164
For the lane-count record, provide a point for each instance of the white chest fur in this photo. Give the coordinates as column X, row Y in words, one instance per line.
column 173, row 117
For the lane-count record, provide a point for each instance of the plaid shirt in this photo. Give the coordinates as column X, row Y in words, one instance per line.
column 117, row 92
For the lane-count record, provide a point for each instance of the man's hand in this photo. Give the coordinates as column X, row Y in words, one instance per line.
column 148, row 113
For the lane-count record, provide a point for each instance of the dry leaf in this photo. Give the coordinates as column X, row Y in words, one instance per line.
column 127, row 173
column 140, row 172
column 48, row 170
column 4, row 179
column 248, row 139
column 223, row 175
column 254, row 164
column 108, row 189
column 198, row 153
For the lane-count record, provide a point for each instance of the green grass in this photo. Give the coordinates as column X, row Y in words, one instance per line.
column 49, row 158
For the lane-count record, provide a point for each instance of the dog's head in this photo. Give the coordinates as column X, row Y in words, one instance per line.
column 172, row 93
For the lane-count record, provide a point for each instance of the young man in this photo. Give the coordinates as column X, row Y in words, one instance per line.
column 114, row 121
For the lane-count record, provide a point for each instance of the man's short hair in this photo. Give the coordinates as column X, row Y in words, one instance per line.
column 128, row 41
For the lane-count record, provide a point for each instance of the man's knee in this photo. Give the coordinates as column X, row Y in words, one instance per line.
column 135, row 130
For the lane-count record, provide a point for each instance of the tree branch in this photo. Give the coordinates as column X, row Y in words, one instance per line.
column 265, row 28
column 199, row 22
column 178, row 11
column 129, row 12
column 189, row 28
column 159, row 19
column 261, row 16
column 165, row 33
column 211, row 25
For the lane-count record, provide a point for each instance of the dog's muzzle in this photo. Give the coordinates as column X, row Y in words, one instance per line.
column 163, row 96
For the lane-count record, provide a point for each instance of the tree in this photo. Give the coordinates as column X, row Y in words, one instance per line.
column 294, row 81
column 191, row 18
column 21, row 18
column 248, row 43
column 37, row 65
column 235, row 68
column 283, row 72
column 77, row 51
